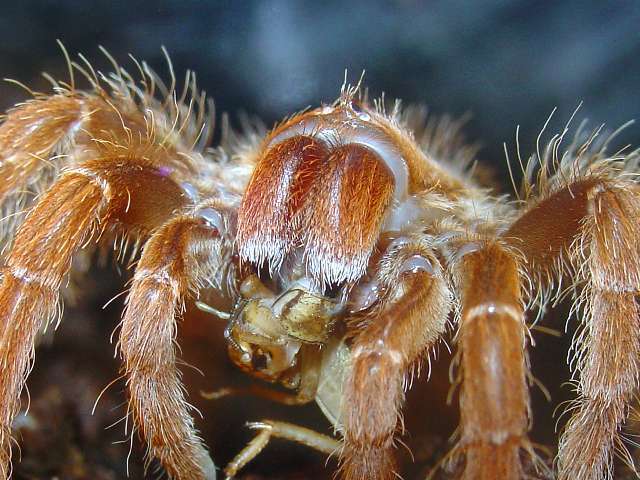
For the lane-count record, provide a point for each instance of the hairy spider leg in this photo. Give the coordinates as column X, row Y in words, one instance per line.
column 79, row 206
column 590, row 227
column 494, row 400
column 46, row 133
column 182, row 255
column 392, row 337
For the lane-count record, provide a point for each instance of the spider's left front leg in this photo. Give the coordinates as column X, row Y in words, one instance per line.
column 82, row 203
column 395, row 333
column 184, row 254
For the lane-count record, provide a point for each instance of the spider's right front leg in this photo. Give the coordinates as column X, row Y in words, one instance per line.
column 31, row 133
column 494, row 401
column 43, row 135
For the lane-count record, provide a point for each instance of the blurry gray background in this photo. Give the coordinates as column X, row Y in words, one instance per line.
column 507, row 63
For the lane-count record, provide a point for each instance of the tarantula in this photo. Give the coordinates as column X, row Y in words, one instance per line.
column 343, row 224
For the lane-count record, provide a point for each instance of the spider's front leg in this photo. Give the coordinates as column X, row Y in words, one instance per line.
column 590, row 226
column 494, row 401
column 394, row 334
column 184, row 254
column 81, row 204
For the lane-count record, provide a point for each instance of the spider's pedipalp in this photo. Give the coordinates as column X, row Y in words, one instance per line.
column 409, row 320
column 180, row 255
column 494, row 401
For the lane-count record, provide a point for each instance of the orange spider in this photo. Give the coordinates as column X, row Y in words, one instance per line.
column 344, row 224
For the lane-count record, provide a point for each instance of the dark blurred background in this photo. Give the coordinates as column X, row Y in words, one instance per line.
column 507, row 63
